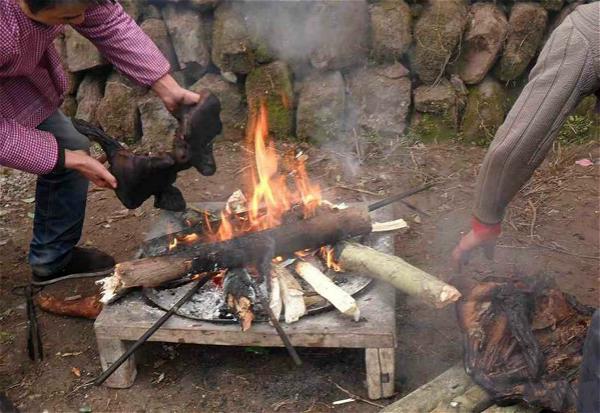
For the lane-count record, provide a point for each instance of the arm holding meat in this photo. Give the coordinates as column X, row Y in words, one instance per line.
column 563, row 75
column 38, row 152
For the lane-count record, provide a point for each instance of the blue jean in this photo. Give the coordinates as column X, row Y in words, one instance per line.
column 60, row 200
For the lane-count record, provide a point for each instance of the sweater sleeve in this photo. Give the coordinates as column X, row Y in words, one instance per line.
column 27, row 149
column 123, row 43
column 563, row 75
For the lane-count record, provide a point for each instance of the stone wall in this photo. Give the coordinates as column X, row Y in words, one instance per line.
column 324, row 69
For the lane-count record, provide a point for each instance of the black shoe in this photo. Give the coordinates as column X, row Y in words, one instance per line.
column 83, row 261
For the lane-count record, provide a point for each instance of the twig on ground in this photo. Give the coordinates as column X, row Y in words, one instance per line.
column 356, row 397
column 560, row 250
column 239, row 171
column 533, row 218
column 362, row 191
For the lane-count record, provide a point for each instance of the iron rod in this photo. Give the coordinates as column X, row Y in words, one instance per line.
column 110, row 370
column 397, row 197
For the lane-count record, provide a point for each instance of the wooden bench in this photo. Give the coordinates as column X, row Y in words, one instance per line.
column 129, row 318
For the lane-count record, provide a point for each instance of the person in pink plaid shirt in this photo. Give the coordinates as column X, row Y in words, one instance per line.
column 35, row 136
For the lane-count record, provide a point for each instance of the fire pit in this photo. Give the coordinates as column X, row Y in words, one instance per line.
column 268, row 257
column 127, row 319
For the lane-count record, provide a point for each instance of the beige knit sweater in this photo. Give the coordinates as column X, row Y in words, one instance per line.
column 567, row 70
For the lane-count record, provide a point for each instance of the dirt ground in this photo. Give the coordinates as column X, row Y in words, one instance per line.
column 552, row 229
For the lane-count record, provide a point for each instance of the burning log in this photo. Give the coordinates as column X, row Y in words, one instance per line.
column 394, row 270
column 326, row 288
column 291, row 294
column 256, row 248
column 240, row 295
column 523, row 341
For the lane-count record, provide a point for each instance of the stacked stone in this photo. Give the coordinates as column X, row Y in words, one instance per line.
column 467, row 60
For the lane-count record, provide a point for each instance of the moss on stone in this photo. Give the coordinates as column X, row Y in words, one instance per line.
column 527, row 25
column 484, row 112
column 430, row 127
column 271, row 85
column 437, row 33
column 552, row 5
column 231, row 46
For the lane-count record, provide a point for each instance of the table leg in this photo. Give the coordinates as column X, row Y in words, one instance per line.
column 380, row 363
column 110, row 350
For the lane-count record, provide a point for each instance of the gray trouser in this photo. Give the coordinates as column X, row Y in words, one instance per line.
column 60, row 200
column 589, row 379
column 567, row 70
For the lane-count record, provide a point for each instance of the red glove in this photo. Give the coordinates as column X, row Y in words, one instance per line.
column 481, row 235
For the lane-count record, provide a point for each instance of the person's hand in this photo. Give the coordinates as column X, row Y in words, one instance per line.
column 173, row 95
column 90, row 168
column 481, row 235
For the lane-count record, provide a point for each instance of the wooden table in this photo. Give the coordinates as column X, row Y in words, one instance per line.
column 129, row 318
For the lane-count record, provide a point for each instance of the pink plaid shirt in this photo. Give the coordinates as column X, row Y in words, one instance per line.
column 33, row 83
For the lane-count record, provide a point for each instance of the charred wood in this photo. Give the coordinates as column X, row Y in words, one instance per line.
column 256, row 248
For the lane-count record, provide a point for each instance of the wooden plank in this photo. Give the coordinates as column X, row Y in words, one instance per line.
column 129, row 318
column 380, row 366
column 473, row 399
column 518, row 408
column 110, row 350
column 443, row 388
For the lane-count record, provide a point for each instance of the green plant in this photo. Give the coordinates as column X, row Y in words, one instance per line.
column 577, row 130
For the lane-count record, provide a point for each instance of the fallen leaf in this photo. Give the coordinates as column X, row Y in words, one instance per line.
column 85, row 409
column 584, row 162
column 3, row 242
column 29, row 200
column 76, row 371
column 31, row 215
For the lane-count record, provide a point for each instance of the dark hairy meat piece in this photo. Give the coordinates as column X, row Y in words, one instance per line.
column 523, row 340
column 140, row 176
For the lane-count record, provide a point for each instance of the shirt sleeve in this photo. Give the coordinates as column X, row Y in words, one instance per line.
column 27, row 149
column 123, row 43
column 562, row 76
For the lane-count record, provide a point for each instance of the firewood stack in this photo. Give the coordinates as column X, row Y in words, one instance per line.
column 292, row 263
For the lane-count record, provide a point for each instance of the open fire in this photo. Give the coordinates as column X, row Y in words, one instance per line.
column 270, row 195
column 271, row 200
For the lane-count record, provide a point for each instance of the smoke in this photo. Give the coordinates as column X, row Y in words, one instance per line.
column 313, row 36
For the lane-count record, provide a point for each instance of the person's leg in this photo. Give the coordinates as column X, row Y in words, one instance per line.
column 589, row 380
column 60, row 204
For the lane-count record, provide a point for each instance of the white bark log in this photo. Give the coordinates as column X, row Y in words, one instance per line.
column 326, row 288
column 389, row 225
column 275, row 300
column 394, row 270
column 291, row 295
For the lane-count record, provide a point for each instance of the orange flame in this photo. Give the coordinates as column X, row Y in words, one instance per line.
column 271, row 197
column 328, row 256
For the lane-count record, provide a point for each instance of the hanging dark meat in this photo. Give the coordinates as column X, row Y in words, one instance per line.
column 141, row 176
column 523, row 341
